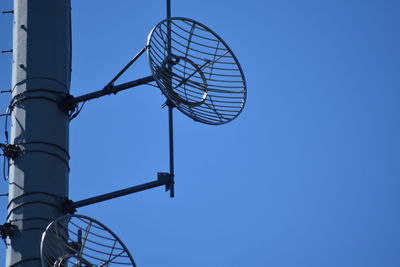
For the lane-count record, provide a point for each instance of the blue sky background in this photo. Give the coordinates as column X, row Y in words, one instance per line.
column 309, row 173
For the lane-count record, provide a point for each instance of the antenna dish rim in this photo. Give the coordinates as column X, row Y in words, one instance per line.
column 68, row 217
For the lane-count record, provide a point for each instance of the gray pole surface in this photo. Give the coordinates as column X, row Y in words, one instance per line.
column 41, row 74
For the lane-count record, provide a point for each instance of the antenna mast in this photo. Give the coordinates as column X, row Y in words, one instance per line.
column 170, row 112
column 39, row 128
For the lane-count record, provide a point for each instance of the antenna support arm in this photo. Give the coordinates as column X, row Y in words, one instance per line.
column 162, row 179
column 69, row 103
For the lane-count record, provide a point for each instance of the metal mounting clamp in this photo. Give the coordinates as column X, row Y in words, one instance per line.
column 66, row 104
column 7, row 230
column 67, row 206
column 9, row 150
column 168, row 180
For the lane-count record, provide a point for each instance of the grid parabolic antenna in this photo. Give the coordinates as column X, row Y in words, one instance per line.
column 196, row 70
column 77, row 240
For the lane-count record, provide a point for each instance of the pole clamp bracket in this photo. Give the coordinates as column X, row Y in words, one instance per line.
column 66, row 104
column 67, row 206
column 168, row 180
column 7, row 230
column 9, row 150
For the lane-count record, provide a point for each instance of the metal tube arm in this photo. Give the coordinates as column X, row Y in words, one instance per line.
column 69, row 103
column 163, row 178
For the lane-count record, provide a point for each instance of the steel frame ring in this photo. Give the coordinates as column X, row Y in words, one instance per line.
column 169, row 86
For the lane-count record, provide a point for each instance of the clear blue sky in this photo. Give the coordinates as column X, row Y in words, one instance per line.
column 308, row 175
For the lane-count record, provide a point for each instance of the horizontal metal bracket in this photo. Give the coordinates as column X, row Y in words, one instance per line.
column 163, row 178
column 69, row 103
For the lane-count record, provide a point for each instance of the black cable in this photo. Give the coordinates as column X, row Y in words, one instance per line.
column 34, row 193
column 40, row 77
column 10, row 212
column 51, row 154
column 6, row 124
column 5, row 176
column 17, row 101
column 5, row 172
column 46, row 143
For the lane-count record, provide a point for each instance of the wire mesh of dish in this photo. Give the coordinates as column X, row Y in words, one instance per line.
column 77, row 240
column 196, row 70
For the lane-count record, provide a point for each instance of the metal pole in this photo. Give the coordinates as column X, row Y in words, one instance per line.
column 41, row 75
column 168, row 9
column 171, row 150
column 170, row 110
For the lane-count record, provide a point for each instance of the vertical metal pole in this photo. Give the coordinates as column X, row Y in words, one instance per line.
column 41, row 74
column 168, row 9
column 170, row 111
column 171, row 150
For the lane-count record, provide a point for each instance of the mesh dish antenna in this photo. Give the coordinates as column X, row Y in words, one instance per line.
column 80, row 241
column 193, row 67
column 196, row 70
